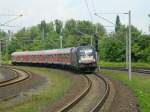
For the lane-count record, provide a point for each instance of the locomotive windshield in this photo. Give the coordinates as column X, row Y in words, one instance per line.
column 86, row 55
column 86, row 52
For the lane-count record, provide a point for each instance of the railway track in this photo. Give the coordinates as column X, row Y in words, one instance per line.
column 144, row 71
column 93, row 85
column 20, row 76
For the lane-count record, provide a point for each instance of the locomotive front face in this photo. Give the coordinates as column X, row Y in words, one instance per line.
column 86, row 55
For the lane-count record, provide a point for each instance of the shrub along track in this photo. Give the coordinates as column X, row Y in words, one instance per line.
column 93, row 96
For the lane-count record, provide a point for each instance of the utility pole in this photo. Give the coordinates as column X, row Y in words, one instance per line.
column 127, row 52
column 0, row 54
column 97, row 48
column 7, row 41
column 129, row 70
column 61, row 38
column 43, row 37
column 91, row 40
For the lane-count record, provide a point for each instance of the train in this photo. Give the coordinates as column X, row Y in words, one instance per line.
column 79, row 58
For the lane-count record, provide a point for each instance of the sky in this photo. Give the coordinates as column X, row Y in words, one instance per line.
column 36, row 10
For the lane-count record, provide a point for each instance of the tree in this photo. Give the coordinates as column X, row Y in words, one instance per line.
column 70, row 27
column 101, row 31
column 112, row 49
column 58, row 26
column 86, row 27
column 118, row 24
column 2, row 34
column 43, row 29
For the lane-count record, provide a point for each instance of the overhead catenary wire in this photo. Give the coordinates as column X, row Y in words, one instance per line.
column 12, row 19
column 8, row 15
column 104, row 19
column 87, row 6
column 93, row 5
column 112, row 13
column 4, row 25
column 91, row 17
column 94, row 10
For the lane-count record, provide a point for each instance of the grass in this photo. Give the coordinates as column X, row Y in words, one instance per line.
column 123, row 64
column 56, row 86
column 140, row 86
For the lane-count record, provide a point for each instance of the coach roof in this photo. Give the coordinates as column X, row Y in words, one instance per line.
column 54, row 51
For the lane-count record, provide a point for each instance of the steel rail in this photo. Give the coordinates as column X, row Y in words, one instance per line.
column 14, row 80
column 75, row 101
column 101, row 102
column 144, row 71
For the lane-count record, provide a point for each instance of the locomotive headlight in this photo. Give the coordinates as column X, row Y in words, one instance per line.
column 79, row 61
column 93, row 60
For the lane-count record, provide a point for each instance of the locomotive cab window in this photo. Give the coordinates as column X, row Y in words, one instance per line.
column 86, row 52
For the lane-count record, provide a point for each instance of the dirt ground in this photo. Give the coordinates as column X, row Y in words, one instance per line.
column 124, row 101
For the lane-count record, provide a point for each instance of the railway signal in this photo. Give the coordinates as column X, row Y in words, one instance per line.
column 96, row 42
column 96, row 39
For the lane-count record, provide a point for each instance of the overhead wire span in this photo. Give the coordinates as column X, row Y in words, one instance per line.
column 104, row 18
column 93, row 5
column 4, row 25
column 8, row 15
column 12, row 19
column 87, row 6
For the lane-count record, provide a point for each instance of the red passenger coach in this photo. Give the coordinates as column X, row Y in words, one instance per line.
column 57, row 56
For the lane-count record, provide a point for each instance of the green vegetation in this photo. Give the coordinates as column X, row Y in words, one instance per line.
column 140, row 86
column 56, row 86
column 123, row 64
column 46, row 35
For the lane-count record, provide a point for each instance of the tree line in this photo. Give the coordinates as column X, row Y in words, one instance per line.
column 112, row 46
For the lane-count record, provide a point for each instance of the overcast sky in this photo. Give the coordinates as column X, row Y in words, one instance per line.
column 36, row 10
